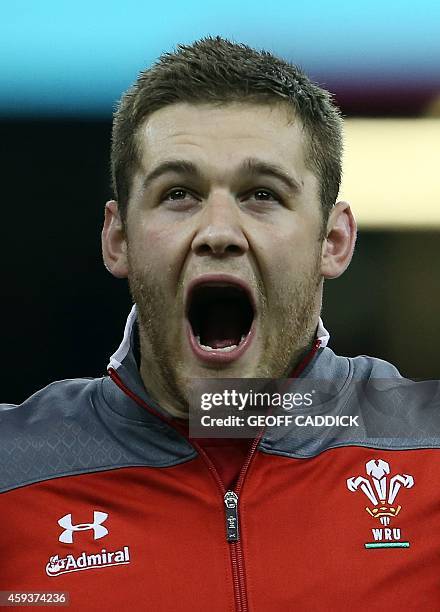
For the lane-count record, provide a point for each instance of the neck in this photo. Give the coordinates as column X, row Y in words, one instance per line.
column 162, row 387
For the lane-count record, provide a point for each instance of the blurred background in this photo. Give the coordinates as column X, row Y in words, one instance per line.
column 63, row 66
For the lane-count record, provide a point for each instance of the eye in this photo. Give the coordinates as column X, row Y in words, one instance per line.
column 265, row 195
column 179, row 198
column 262, row 198
column 176, row 194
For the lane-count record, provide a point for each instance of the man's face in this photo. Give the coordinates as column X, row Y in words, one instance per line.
column 224, row 243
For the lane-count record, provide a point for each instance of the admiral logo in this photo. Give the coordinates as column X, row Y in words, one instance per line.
column 84, row 561
column 65, row 565
column 382, row 491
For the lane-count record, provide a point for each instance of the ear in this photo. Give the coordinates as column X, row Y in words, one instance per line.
column 338, row 245
column 114, row 244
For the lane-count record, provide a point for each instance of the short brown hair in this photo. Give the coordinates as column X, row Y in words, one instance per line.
column 216, row 70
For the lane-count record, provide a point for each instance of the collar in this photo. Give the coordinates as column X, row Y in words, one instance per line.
column 127, row 345
column 123, row 363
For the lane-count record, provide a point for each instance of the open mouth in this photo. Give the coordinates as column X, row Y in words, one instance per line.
column 220, row 317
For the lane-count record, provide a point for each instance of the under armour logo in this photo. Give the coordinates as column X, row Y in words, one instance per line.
column 98, row 530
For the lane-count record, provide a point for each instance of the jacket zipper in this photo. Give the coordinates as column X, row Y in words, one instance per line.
column 231, row 503
column 233, row 536
column 231, row 498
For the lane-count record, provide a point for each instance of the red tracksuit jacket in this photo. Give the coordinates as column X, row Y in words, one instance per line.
column 104, row 499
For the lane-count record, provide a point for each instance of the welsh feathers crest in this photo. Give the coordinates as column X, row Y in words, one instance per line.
column 380, row 489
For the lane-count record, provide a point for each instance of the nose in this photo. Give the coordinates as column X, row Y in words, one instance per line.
column 219, row 232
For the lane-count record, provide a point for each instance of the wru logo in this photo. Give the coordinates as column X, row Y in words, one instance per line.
column 381, row 490
column 98, row 530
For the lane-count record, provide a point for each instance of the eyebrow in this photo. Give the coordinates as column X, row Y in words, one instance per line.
column 178, row 166
column 250, row 166
column 254, row 166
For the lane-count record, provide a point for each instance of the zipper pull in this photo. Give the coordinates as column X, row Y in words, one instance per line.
column 231, row 503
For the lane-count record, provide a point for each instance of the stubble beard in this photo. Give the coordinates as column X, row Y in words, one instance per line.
column 292, row 317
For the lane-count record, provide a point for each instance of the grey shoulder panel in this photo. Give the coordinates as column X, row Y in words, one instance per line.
column 364, row 367
column 68, row 428
column 372, row 406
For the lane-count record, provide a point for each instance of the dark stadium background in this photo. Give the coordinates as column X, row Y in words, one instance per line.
column 63, row 314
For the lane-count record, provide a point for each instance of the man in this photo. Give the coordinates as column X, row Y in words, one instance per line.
column 226, row 166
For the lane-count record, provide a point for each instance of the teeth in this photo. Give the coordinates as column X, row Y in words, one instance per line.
column 226, row 349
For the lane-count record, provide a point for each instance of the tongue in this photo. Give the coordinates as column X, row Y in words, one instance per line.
column 221, row 325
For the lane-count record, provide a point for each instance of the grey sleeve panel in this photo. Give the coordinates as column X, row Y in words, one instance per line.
column 388, row 412
column 67, row 429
